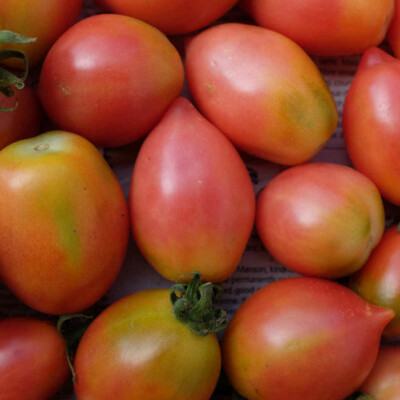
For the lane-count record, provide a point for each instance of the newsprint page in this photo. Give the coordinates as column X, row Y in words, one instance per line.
column 257, row 268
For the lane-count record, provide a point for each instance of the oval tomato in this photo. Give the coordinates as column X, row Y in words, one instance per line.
column 379, row 280
column 191, row 199
column 302, row 338
column 24, row 121
column 33, row 363
column 110, row 78
column 60, row 206
column 171, row 16
column 44, row 20
column 262, row 91
column 371, row 121
column 383, row 383
column 320, row 219
column 137, row 349
column 338, row 28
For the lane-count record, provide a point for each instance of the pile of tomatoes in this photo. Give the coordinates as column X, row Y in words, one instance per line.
column 115, row 79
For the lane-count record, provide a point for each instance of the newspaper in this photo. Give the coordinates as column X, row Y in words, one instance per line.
column 256, row 268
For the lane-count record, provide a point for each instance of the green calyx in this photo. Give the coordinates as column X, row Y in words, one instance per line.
column 10, row 80
column 360, row 396
column 193, row 304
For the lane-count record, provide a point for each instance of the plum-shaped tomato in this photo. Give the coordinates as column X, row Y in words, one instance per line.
column 262, row 91
column 320, row 219
column 302, row 338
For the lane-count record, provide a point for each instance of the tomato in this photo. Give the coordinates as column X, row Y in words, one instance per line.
column 262, row 91
column 371, row 121
column 171, row 16
column 320, row 219
column 44, row 20
column 33, row 363
column 378, row 282
column 191, row 198
column 340, row 28
column 64, row 222
column 302, row 338
column 110, row 78
column 394, row 30
column 383, row 383
column 137, row 349
column 24, row 121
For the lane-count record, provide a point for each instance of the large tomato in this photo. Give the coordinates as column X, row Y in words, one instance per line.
column 192, row 202
column 33, row 363
column 336, row 28
column 44, row 20
column 137, row 349
column 171, row 16
column 320, row 219
column 262, row 91
column 371, row 121
column 379, row 280
column 64, row 222
column 302, row 338
column 110, row 78
column 24, row 121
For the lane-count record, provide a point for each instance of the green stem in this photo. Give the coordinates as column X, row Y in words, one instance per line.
column 193, row 304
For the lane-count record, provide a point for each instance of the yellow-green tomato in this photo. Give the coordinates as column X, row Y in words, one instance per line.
column 137, row 349
column 63, row 222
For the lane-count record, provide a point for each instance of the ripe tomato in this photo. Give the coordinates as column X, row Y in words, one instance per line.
column 394, row 30
column 171, row 16
column 137, row 349
column 60, row 205
column 110, row 78
column 262, row 91
column 24, row 121
column 302, row 338
column 33, row 363
column 338, row 28
column 371, row 121
column 44, row 20
column 191, row 199
column 320, row 219
column 378, row 282
column 383, row 383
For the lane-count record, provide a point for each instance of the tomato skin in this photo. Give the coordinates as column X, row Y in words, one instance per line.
column 262, row 91
column 24, row 121
column 302, row 338
column 394, row 30
column 378, row 281
column 171, row 16
column 137, row 349
column 376, row 86
column 320, row 219
column 62, row 260
column 33, row 363
column 191, row 199
column 344, row 27
column 45, row 20
column 383, row 383
column 110, row 78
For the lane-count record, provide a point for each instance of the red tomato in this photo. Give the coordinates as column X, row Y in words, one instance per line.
column 262, row 91
column 171, row 16
column 24, row 121
column 320, row 219
column 110, row 78
column 379, row 280
column 137, row 349
column 60, row 205
column 192, row 202
column 44, row 20
column 33, row 363
column 394, row 30
column 302, row 338
column 383, row 383
column 371, row 121
column 337, row 28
